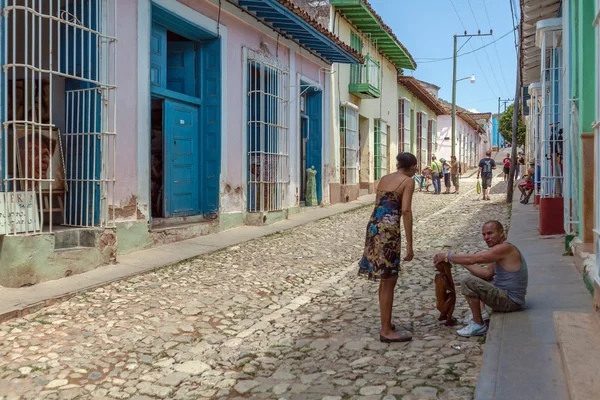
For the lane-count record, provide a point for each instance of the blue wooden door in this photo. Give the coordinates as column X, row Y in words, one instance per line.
column 210, row 76
column 181, row 147
column 158, row 56
column 82, row 144
column 181, row 67
column 314, row 145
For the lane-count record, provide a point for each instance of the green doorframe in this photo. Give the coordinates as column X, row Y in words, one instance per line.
column 584, row 58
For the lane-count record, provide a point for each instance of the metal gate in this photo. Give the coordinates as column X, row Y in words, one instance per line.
column 58, row 112
column 551, row 132
column 268, row 145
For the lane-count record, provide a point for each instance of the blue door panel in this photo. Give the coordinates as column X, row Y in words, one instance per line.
column 158, row 56
column 83, row 150
column 211, row 124
column 181, row 178
column 314, row 146
column 80, row 42
column 82, row 162
column 181, row 67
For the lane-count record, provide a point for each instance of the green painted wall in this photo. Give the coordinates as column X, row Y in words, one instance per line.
column 583, row 81
column 586, row 60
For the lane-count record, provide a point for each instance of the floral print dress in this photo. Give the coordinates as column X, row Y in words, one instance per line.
column 381, row 259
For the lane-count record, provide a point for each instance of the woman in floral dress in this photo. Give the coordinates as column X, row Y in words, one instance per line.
column 381, row 259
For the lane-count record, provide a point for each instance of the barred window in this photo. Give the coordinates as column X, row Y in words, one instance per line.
column 348, row 146
column 268, row 133
column 403, row 125
column 380, row 149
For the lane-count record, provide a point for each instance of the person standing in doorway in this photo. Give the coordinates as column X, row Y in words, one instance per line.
column 486, row 167
column 455, row 173
column 520, row 165
column 446, row 168
column 437, row 172
column 381, row 257
column 506, row 168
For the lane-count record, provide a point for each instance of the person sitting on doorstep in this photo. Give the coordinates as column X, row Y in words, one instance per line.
column 501, row 285
column 527, row 186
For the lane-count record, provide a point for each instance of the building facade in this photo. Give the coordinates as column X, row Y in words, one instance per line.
column 418, row 111
column 468, row 141
column 560, row 75
column 365, row 114
column 181, row 119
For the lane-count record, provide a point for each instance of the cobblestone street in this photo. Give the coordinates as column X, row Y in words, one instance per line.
column 282, row 317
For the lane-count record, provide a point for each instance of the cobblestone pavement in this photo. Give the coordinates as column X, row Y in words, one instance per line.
column 282, row 317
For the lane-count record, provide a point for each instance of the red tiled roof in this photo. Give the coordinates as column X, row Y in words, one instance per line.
column 465, row 115
column 468, row 118
column 415, row 87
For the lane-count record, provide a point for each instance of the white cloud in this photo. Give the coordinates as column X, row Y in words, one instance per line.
column 473, row 110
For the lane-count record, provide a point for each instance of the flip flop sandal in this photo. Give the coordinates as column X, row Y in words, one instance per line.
column 403, row 338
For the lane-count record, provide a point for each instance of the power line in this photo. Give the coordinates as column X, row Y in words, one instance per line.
column 515, row 19
column 485, row 50
column 476, row 58
column 422, row 60
column 496, row 47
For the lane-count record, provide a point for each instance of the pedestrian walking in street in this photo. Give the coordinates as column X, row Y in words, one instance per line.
column 437, row 172
column 446, row 169
column 486, row 167
column 381, row 258
column 502, row 285
column 506, row 169
column 455, row 173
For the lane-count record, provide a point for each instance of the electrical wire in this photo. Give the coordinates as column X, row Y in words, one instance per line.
column 515, row 19
column 433, row 59
column 496, row 47
column 476, row 58
column 485, row 49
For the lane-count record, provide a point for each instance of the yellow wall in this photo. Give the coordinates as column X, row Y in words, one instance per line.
column 384, row 108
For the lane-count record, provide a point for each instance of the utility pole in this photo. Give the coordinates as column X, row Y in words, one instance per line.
column 454, row 83
column 511, row 176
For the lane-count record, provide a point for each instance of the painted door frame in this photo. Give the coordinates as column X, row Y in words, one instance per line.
column 144, row 28
column 301, row 81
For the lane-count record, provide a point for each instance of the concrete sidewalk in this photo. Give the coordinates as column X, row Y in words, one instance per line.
column 22, row 301
column 522, row 357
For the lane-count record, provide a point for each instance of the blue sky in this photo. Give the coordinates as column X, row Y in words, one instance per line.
column 426, row 29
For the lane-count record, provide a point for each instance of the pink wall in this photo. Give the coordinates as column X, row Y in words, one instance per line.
column 444, row 149
column 239, row 35
column 308, row 68
column 126, row 172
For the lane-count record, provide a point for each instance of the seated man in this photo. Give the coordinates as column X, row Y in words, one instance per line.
column 527, row 186
column 506, row 266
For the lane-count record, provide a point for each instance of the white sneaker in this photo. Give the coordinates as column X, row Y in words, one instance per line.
column 485, row 316
column 473, row 329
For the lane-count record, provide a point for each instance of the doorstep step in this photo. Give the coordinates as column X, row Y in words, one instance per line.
column 579, row 341
column 71, row 249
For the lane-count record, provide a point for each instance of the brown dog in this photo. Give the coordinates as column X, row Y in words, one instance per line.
column 445, row 293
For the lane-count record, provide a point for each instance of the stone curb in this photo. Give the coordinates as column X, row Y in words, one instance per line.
column 20, row 312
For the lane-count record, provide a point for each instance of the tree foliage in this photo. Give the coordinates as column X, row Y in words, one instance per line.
column 505, row 126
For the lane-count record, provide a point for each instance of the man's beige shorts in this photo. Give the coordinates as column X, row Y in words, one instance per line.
column 496, row 298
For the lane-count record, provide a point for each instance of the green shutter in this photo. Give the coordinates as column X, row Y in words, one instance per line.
column 377, row 149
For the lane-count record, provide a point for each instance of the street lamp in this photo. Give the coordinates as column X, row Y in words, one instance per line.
column 454, row 84
column 472, row 78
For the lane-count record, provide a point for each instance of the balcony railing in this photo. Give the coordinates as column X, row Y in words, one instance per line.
column 365, row 79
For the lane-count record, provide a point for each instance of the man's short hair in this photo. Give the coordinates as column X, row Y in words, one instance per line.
column 499, row 227
column 488, row 153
